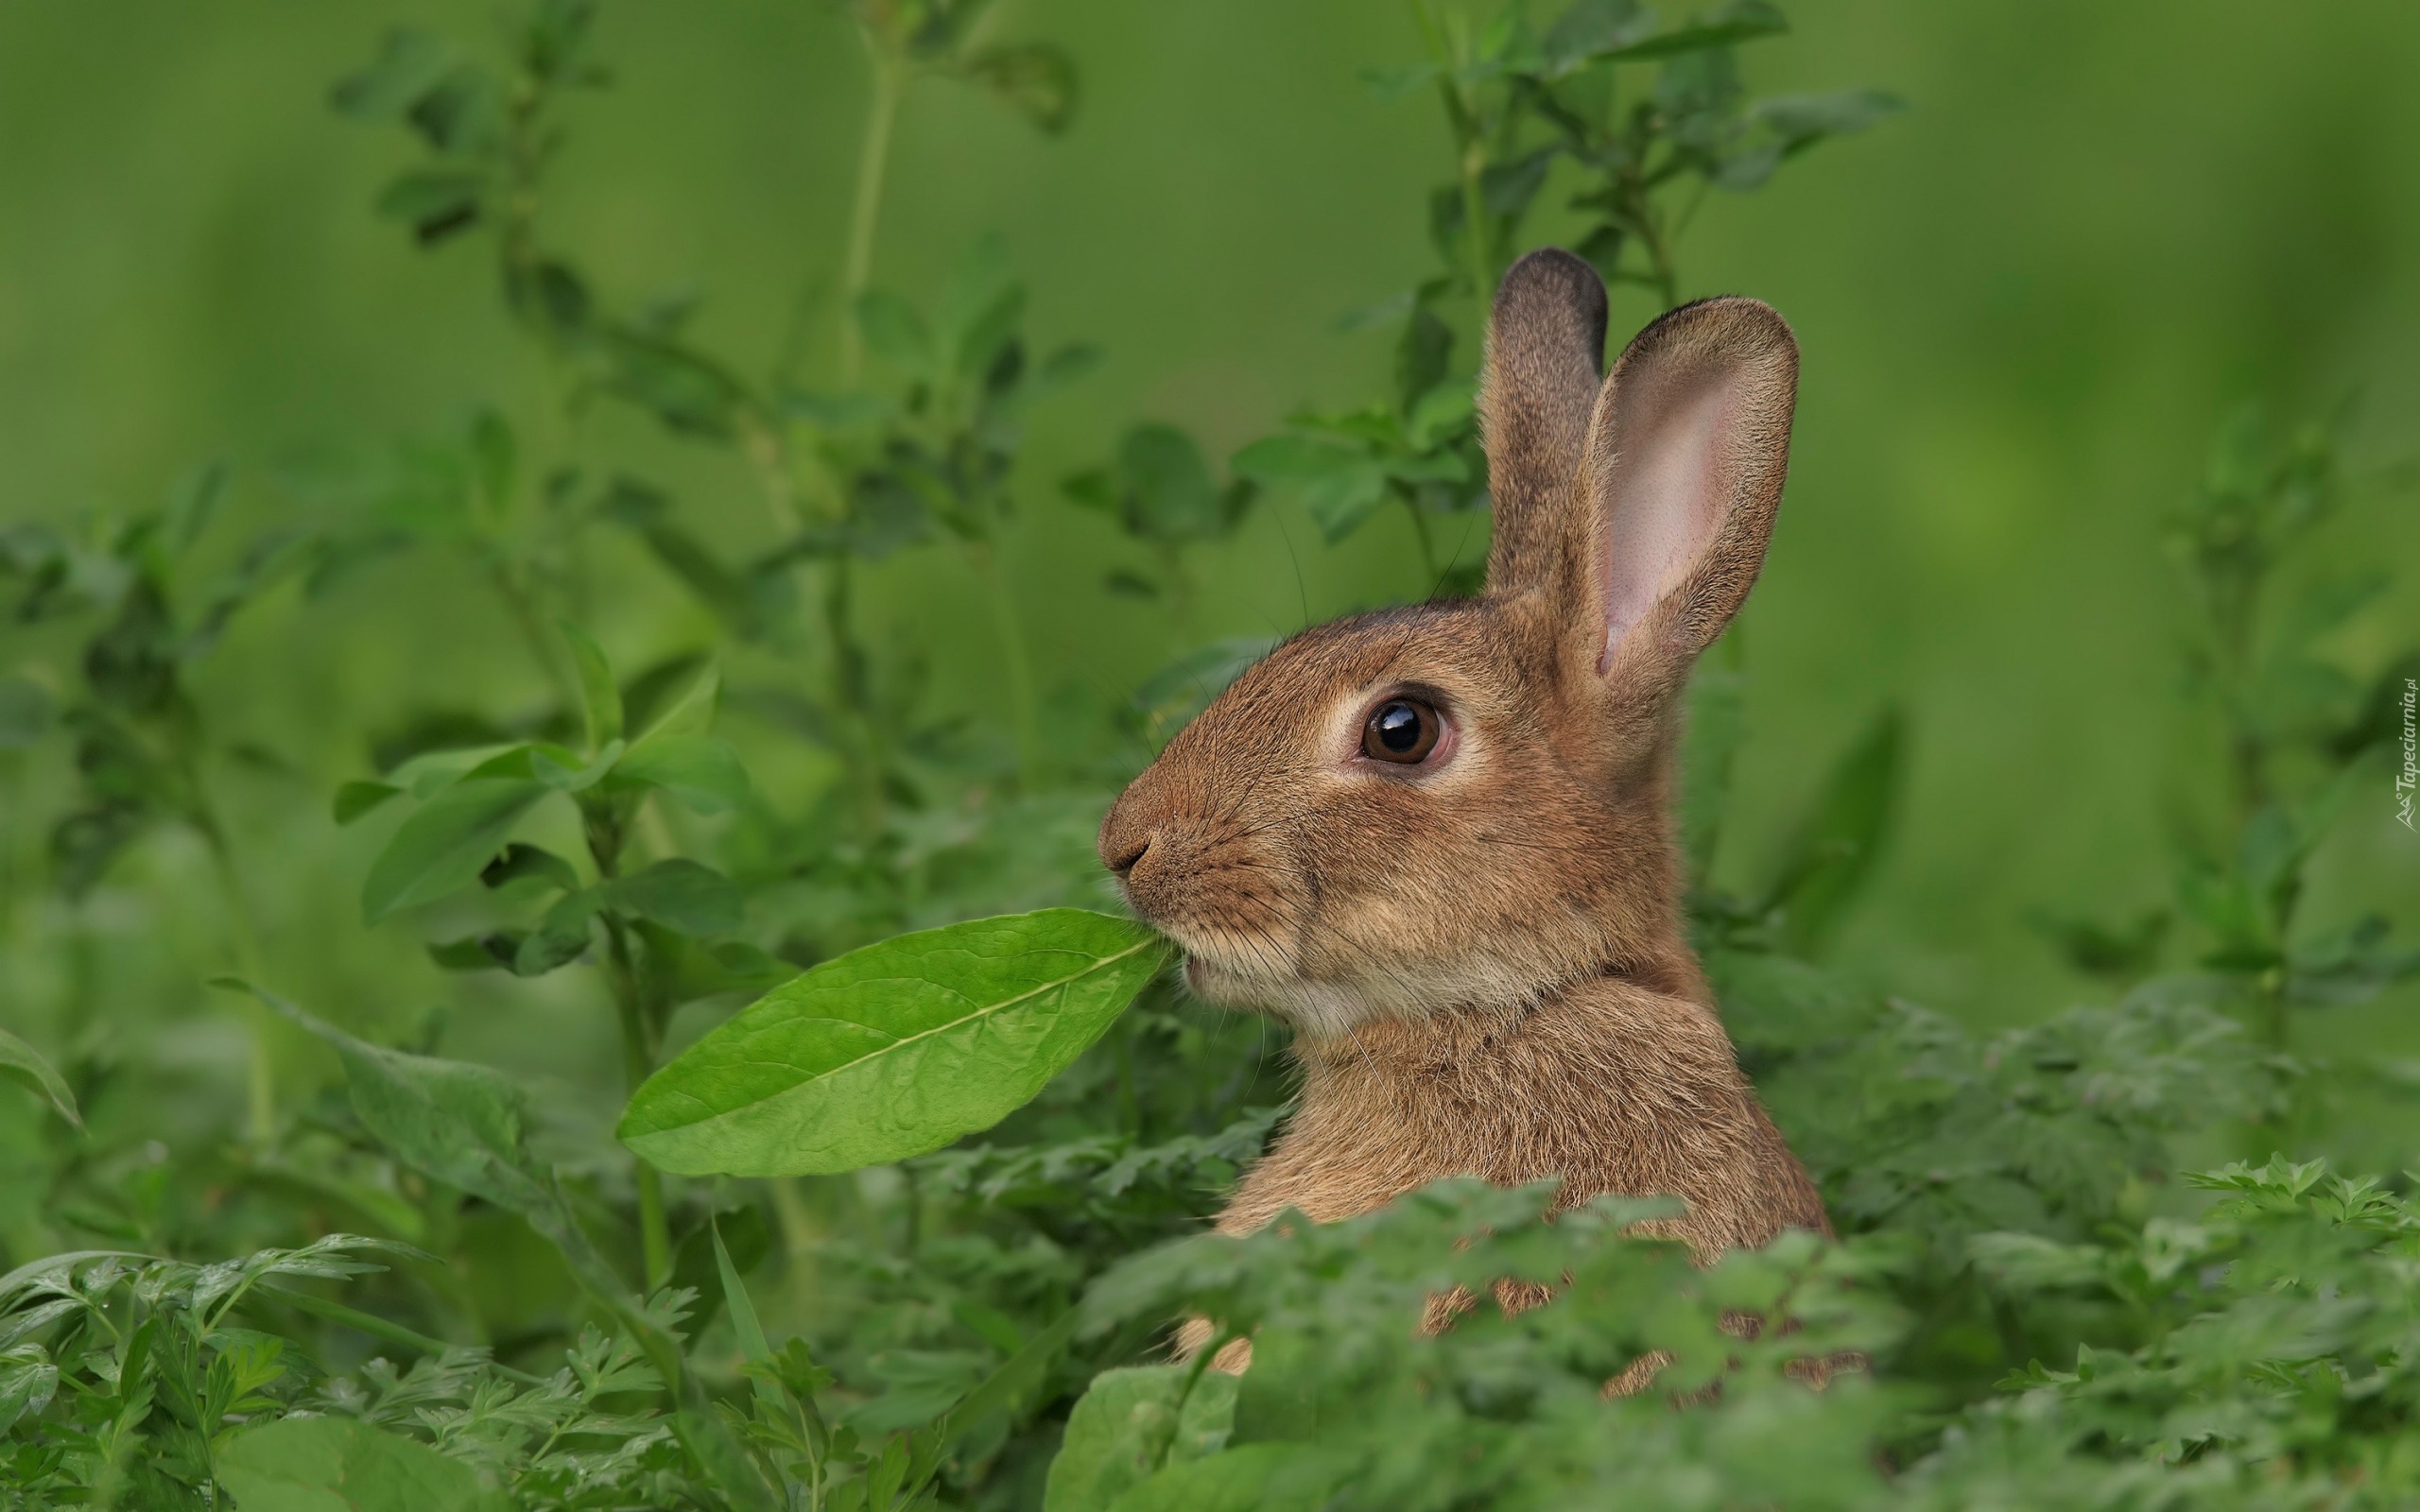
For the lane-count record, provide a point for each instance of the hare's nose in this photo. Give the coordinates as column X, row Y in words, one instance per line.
column 1131, row 826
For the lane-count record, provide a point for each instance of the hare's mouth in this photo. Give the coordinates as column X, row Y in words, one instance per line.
column 1234, row 969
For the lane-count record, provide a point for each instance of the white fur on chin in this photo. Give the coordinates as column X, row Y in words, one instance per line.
column 1251, row 976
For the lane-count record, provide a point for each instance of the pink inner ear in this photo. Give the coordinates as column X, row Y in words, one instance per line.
column 1672, row 482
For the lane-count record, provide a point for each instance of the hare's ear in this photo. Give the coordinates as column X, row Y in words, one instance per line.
column 1685, row 462
column 1545, row 354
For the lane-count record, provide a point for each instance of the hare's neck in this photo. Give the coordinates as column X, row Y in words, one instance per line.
column 1613, row 1086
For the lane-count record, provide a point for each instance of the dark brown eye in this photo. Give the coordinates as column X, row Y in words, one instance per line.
column 1403, row 730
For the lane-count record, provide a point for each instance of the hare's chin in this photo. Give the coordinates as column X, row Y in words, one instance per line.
column 1316, row 1009
column 1256, row 984
column 1322, row 1007
column 1227, row 985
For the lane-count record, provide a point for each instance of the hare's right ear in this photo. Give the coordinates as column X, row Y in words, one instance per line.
column 1686, row 456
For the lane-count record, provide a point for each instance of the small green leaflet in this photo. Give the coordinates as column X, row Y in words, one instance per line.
column 446, row 843
column 22, row 1064
column 600, row 696
column 893, row 1050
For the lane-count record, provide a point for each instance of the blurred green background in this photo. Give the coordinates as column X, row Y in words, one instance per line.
column 2024, row 305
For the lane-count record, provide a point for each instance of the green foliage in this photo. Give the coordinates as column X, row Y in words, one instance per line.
column 1529, row 108
column 1159, row 491
column 2298, row 728
column 125, row 1377
column 1828, row 857
column 904, row 1206
column 1348, row 1406
column 324, row 1464
column 2261, row 1352
column 140, row 748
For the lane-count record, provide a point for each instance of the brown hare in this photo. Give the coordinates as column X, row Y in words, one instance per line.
column 1438, row 839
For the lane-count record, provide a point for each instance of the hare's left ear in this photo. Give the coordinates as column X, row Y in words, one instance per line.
column 1545, row 354
column 1686, row 456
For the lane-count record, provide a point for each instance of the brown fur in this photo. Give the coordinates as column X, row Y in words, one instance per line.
column 1484, row 957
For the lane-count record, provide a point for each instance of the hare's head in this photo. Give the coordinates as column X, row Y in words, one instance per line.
column 1466, row 801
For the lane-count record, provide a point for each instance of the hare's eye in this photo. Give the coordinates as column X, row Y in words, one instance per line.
column 1401, row 730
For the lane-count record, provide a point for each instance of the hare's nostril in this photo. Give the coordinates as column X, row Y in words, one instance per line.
column 1124, row 864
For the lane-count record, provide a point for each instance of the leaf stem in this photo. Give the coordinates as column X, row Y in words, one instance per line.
column 1446, row 45
column 1427, row 544
column 1474, row 216
column 1659, row 255
column 260, row 1084
column 638, row 1061
column 761, row 438
column 1016, row 663
column 525, row 619
column 864, row 749
column 639, row 1031
column 865, row 209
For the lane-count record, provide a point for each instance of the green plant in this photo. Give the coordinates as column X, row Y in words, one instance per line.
column 144, row 756
column 1521, row 103
column 2295, row 725
column 661, row 925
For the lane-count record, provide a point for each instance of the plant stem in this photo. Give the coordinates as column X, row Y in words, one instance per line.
column 1130, row 1100
column 638, row 1062
column 2274, row 1019
column 862, row 746
column 533, row 634
column 1180, row 586
column 800, row 1230
column 260, row 1084
column 1427, row 545
column 639, row 1030
column 762, row 441
column 1659, row 255
column 376, row 1326
column 865, row 209
column 12, row 783
column 1445, row 44
column 1017, row 664
column 1475, row 218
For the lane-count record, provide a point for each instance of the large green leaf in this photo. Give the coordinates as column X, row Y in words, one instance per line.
column 451, row 1120
column 345, row 1465
column 460, row 1124
column 447, row 843
column 895, row 1049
